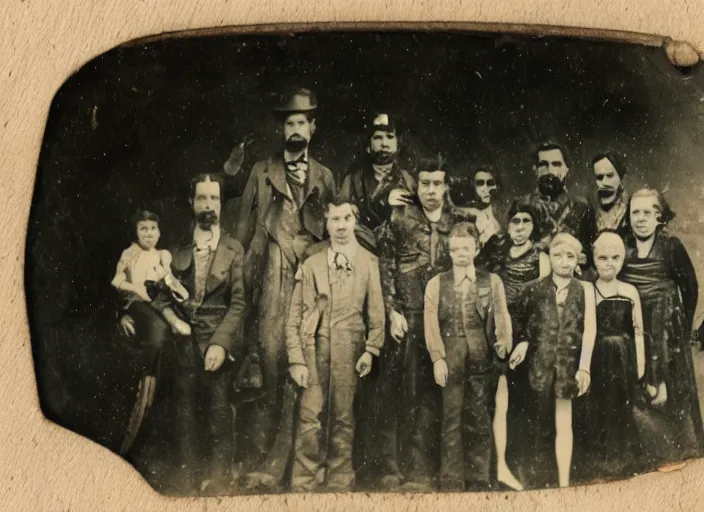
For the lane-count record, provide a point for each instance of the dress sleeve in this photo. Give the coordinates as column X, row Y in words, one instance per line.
column 121, row 270
column 685, row 277
column 431, row 323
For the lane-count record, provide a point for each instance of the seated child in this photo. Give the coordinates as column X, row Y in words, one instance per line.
column 556, row 323
column 141, row 272
column 465, row 319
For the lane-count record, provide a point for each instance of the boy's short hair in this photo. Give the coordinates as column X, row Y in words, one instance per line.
column 566, row 239
column 464, row 230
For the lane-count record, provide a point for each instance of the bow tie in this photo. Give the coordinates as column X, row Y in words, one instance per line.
column 341, row 262
column 297, row 169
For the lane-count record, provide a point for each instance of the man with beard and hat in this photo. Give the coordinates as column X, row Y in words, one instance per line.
column 559, row 212
column 376, row 183
column 210, row 266
column 609, row 172
column 279, row 218
column 413, row 248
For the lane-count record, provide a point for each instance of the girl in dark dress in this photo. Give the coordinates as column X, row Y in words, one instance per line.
column 518, row 263
column 604, row 418
column 658, row 265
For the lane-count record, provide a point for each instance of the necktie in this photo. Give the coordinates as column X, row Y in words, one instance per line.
column 297, row 169
column 341, row 262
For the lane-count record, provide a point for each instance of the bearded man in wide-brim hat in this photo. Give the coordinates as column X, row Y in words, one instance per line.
column 279, row 218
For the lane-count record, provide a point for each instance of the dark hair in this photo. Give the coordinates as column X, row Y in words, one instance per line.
column 207, row 176
column 522, row 205
column 339, row 201
column 614, row 159
column 489, row 169
column 465, row 229
column 432, row 164
column 141, row 215
column 661, row 204
column 549, row 146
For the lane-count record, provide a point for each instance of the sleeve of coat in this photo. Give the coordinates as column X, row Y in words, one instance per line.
column 229, row 332
column 246, row 215
column 375, row 310
column 387, row 265
column 294, row 321
column 346, row 192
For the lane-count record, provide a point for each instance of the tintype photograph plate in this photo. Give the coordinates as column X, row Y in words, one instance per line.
column 394, row 259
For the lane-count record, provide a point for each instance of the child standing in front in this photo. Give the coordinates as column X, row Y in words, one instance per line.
column 556, row 329
column 465, row 319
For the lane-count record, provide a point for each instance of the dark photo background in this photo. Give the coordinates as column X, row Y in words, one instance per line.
column 132, row 127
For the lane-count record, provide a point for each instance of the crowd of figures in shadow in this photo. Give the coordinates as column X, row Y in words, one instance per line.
column 390, row 327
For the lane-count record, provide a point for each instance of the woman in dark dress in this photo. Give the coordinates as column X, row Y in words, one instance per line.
column 517, row 262
column 604, row 418
column 658, row 265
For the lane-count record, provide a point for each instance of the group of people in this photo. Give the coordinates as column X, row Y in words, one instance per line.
column 392, row 333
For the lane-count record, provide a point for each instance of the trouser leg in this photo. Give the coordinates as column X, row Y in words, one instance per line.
column 388, row 406
column 452, row 471
column 478, row 433
column 343, row 386
column 219, row 421
column 309, row 454
column 420, row 428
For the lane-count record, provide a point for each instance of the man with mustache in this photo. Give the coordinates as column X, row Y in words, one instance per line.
column 210, row 266
column 413, row 248
column 609, row 172
column 279, row 217
column 376, row 183
column 559, row 212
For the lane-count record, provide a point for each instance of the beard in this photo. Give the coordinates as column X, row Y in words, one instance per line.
column 206, row 219
column 296, row 143
column 382, row 157
column 608, row 197
column 550, row 185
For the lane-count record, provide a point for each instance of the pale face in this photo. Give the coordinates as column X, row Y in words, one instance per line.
column 644, row 216
column 148, row 234
column 563, row 260
column 484, row 184
column 608, row 181
column 383, row 146
column 552, row 162
column 207, row 198
column 298, row 127
column 462, row 250
column 520, row 228
column 340, row 223
column 608, row 259
column 431, row 189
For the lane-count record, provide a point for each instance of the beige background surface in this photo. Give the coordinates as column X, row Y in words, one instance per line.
column 44, row 467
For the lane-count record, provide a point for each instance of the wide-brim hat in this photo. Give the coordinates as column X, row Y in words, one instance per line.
column 297, row 100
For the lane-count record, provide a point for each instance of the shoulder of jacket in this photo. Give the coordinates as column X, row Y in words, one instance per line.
column 231, row 242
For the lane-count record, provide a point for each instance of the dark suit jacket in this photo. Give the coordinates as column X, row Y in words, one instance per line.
column 218, row 319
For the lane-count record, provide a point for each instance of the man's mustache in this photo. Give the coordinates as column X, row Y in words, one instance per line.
column 207, row 218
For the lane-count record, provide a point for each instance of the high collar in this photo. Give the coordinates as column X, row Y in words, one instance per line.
column 460, row 273
column 349, row 251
